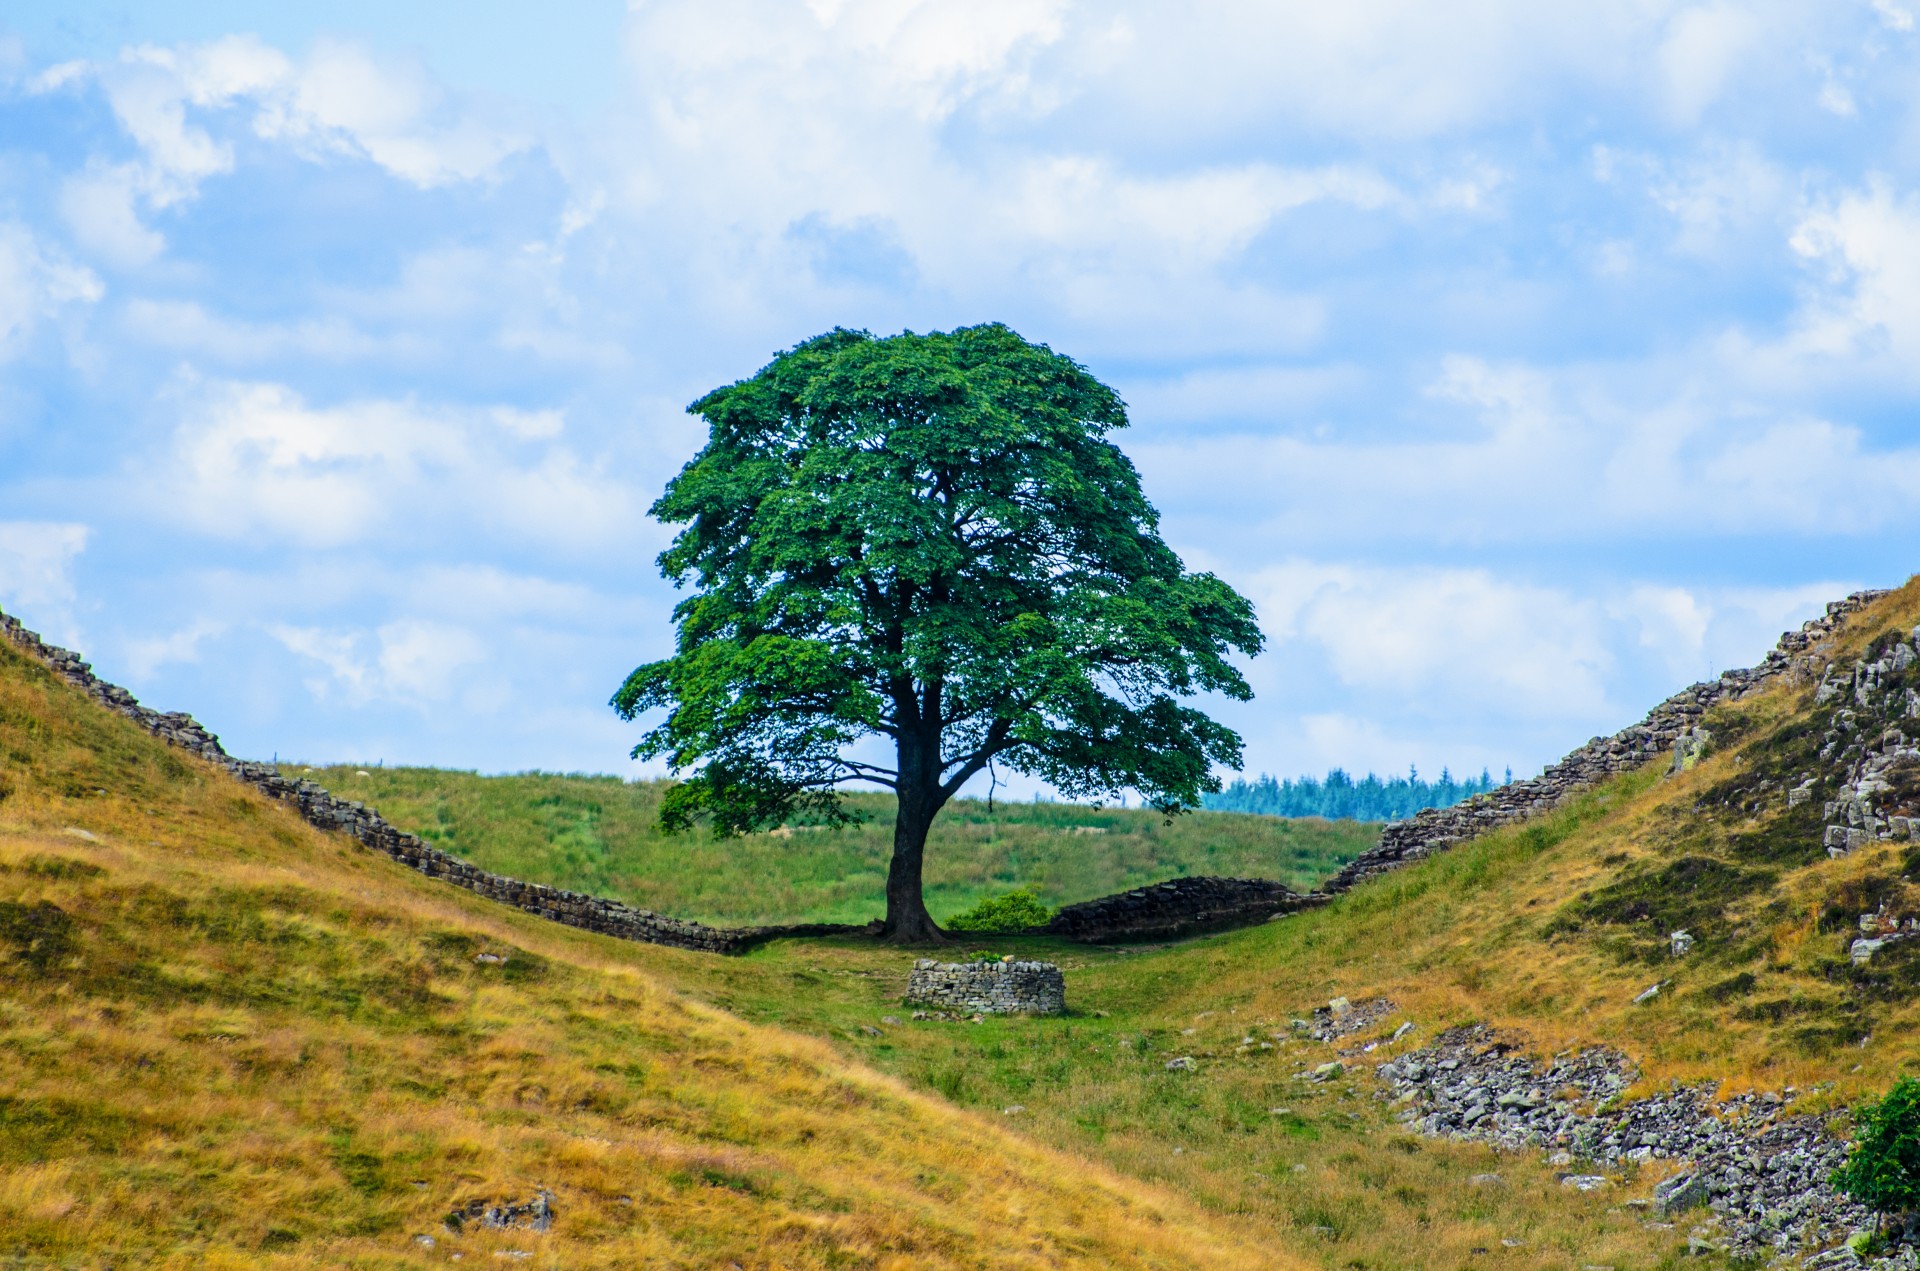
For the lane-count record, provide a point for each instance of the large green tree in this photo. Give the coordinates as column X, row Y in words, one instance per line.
column 913, row 558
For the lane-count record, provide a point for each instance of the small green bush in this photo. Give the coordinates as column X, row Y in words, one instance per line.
column 1002, row 915
column 1882, row 1171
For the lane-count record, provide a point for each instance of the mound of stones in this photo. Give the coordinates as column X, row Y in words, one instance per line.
column 369, row 828
column 1005, row 987
column 531, row 1215
column 1874, row 703
column 1672, row 725
column 1176, row 908
column 1761, row 1170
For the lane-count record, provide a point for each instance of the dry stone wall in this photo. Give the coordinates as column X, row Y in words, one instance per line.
column 370, row 829
column 1672, row 726
column 1176, row 908
column 988, row 988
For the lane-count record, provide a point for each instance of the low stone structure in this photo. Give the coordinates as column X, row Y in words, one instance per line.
column 1671, row 724
column 1175, row 908
column 319, row 808
column 988, row 988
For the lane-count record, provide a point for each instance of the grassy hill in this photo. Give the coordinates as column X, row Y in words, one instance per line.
column 250, row 1035
column 230, row 1040
column 1549, row 930
column 601, row 835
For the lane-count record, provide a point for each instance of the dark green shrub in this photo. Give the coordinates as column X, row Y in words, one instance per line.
column 1882, row 1171
column 1014, row 911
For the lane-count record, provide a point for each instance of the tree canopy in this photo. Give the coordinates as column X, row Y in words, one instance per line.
column 912, row 558
column 1882, row 1171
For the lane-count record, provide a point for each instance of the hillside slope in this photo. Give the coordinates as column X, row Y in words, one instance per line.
column 602, row 835
column 232, row 1040
column 1549, row 931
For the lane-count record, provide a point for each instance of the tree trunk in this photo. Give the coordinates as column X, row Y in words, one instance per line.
column 908, row 921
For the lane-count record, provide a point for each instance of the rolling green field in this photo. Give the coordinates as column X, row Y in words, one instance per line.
column 601, row 835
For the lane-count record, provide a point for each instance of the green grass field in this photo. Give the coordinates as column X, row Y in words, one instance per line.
column 601, row 835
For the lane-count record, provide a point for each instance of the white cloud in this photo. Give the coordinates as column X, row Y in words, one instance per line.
column 98, row 206
column 1866, row 246
column 146, row 655
column 1703, row 47
column 1724, row 195
column 1446, row 635
column 344, row 100
column 1543, row 456
column 412, row 662
column 187, row 326
column 1697, row 632
column 530, row 425
column 36, row 283
column 339, row 100
column 1895, row 17
column 36, row 573
column 255, row 459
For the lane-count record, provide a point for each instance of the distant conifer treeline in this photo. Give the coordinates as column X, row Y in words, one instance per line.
column 1340, row 798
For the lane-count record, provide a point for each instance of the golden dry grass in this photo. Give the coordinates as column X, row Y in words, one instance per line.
column 229, row 1040
column 1480, row 934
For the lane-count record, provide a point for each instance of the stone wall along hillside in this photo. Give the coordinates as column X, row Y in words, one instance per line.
column 1178, row 907
column 1672, row 723
column 371, row 830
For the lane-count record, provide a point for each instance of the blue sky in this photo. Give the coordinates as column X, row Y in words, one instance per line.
column 1523, row 362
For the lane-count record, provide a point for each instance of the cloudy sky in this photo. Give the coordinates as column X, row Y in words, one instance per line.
column 1524, row 362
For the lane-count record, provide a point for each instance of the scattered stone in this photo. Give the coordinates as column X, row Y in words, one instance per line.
column 1328, row 1071
column 74, row 831
column 532, row 1215
column 1330, row 1025
column 890, row 1020
column 1764, row 1174
column 1401, row 1031
column 1649, row 994
column 1680, row 942
column 1586, row 1182
column 424, row 1241
column 1185, row 1063
column 1013, row 1109
column 1485, row 1180
column 1340, row 1008
column 490, row 959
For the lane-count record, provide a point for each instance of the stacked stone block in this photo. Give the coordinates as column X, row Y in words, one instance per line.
column 988, row 988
